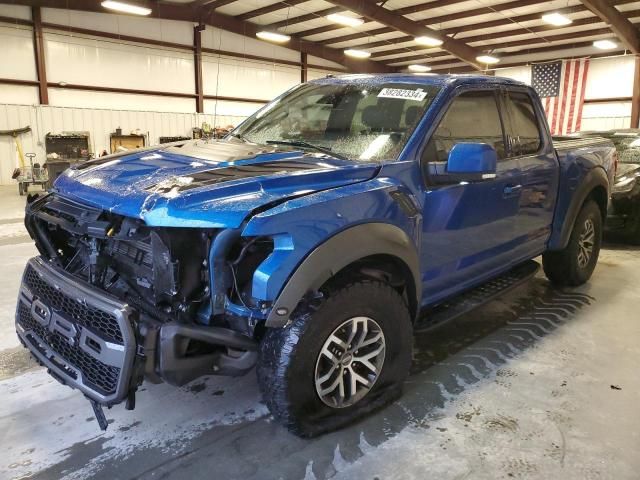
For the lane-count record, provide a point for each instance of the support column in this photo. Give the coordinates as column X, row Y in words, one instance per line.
column 197, row 62
column 38, row 49
column 304, row 65
column 635, row 98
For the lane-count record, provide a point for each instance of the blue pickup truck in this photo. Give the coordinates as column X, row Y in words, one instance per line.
column 310, row 243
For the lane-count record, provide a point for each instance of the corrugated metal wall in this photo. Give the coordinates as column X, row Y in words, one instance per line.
column 607, row 78
column 87, row 60
column 99, row 123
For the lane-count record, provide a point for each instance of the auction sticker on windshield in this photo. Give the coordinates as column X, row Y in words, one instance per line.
column 403, row 94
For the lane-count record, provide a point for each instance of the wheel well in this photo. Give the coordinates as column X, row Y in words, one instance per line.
column 599, row 195
column 385, row 268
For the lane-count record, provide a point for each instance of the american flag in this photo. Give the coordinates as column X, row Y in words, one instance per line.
column 561, row 85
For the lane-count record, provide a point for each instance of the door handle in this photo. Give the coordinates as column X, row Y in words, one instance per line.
column 511, row 190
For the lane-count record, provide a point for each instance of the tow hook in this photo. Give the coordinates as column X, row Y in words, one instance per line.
column 99, row 413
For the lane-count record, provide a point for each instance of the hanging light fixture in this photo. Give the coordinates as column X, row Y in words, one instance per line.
column 605, row 44
column 345, row 19
column 487, row 59
column 126, row 7
column 419, row 68
column 273, row 36
column 556, row 19
column 351, row 52
column 428, row 41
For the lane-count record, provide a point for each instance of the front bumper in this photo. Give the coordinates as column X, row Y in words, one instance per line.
column 84, row 337
column 87, row 339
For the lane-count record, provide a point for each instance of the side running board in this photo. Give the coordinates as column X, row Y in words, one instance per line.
column 454, row 307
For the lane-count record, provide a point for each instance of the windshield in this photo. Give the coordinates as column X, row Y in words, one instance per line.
column 357, row 121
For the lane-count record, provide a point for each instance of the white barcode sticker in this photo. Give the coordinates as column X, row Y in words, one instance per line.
column 404, row 94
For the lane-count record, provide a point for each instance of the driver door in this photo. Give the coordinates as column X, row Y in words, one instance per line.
column 468, row 227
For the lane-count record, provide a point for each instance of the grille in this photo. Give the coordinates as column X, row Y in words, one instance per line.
column 96, row 320
column 97, row 375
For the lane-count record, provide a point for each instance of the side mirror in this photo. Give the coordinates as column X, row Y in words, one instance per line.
column 470, row 162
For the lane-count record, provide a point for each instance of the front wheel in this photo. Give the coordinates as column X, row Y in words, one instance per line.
column 574, row 265
column 338, row 360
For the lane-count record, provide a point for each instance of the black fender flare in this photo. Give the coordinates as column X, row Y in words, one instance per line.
column 596, row 177
column 339, row 251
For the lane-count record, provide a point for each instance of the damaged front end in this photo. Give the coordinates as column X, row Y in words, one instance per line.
column 111, row 301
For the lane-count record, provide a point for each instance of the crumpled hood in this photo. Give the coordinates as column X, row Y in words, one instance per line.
column 213, row 184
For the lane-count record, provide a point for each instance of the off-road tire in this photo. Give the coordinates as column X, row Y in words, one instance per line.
column 288, row 355
column 562, row 267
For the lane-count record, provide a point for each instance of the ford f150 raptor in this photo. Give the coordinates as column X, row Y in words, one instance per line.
column 309, row 243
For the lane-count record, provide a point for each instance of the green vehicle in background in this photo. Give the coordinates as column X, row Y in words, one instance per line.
column 623, row 217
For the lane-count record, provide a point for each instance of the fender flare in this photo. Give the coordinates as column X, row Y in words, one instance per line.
column 596, row 177
column 337, row 252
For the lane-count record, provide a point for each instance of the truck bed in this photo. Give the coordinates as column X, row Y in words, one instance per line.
column 565, row 142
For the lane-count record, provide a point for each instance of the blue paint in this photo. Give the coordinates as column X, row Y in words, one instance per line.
column 472, row 158
column 465, row 232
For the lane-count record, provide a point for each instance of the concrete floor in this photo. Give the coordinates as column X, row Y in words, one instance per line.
column 539, row 384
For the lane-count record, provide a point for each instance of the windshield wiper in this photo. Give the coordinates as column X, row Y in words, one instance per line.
column 239, row 136
column 302, row 143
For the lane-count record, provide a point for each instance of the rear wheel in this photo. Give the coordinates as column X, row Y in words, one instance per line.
column 338, row 360
column 574, row 265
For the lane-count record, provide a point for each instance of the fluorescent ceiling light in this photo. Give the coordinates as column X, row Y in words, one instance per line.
column 350, row 52
column 556, row 19
column 605, row 44
column 487, row 59
column 273, row 36
column 428, row 41
column 126, row 7
column 344, row 19
column 419, row 68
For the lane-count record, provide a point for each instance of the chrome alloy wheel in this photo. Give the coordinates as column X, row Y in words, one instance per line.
column 350, row 362
column 585, row 243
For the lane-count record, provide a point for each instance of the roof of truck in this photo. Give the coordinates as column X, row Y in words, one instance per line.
column 418, row 78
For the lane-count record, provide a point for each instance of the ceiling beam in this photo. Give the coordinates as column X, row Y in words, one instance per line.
column 410, row 52
column 499, row 36
column 466, row 69
column 210, row 3
column 421, row 7
column 527, row 42
column 274, row 7
column 618, row 22
column 176, row 11
column 400, row 11
column 379, row 14
column 469, row 26
column 303, row 18
column 433, row 20
column 551, row 49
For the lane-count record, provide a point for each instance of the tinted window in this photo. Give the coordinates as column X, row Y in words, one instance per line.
column 524, row 124
column 472, row 117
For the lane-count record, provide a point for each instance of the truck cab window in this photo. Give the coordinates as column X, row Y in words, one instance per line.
column 472, row 117
column 523, row 128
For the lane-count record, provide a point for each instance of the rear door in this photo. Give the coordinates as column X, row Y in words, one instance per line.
column 530, row 146
column 468, row 228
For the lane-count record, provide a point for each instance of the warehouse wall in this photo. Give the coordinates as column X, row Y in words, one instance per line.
column 607, row 78
column 79, row 59
column 98, row 122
